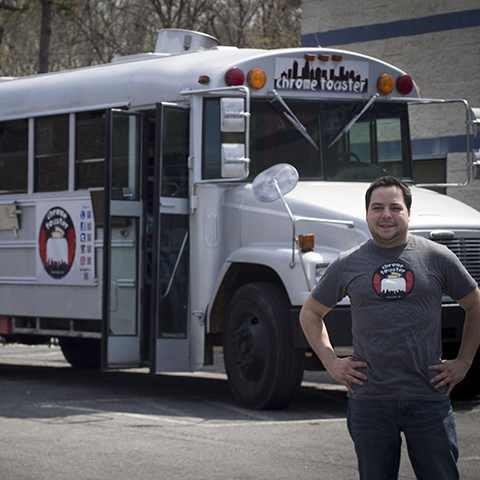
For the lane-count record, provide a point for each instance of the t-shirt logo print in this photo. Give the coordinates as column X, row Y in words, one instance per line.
column 393, row 281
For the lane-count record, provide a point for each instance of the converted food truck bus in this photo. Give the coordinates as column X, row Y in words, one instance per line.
column 145, row 217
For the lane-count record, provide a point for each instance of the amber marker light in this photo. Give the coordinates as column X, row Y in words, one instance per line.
column 204, row 79
column 385, row 84
column 256, row 78
column 306, row 242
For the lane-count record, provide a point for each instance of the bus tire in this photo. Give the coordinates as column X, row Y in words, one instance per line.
column 82, row 353
column 263, row 367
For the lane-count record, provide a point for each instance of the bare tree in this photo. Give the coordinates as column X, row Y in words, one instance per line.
column 277, row 24
column 42, row 35
column 181, row 13
column 12, row 5
column 45, row 35
column 231, row 20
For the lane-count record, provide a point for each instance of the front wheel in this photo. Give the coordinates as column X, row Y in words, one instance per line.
column 263, row 367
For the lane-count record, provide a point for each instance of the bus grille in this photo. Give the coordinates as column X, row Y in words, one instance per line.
column 468, row 251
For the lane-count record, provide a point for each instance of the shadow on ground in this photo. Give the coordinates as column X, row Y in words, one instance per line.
column 28, row 390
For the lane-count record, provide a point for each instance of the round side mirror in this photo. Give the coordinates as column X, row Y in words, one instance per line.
column 286, row 177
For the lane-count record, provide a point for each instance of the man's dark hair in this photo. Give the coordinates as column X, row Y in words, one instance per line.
column 389, row 181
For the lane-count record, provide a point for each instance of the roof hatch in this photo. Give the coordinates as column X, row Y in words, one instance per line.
column 176, row 40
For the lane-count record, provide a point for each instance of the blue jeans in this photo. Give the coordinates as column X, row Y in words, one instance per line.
column 429, row 429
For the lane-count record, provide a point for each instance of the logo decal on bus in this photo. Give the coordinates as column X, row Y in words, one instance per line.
column 57, row 242
column 347, row 77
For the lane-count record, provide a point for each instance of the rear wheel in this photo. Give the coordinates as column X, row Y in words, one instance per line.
column 81, row 352
column 263, row 367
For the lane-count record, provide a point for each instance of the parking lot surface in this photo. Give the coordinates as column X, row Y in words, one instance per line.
column 57, row 424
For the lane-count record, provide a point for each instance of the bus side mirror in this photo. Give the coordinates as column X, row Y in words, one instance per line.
column 476, row 139
column 234, row 125
column 275, row 182
column 476, row 165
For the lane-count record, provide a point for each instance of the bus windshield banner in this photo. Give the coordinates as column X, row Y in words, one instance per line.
column 65, row 242
column 333, row 77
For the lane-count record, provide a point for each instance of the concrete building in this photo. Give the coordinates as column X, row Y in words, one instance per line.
column 435, row 41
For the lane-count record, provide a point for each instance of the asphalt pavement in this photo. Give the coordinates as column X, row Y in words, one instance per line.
column 60, row 424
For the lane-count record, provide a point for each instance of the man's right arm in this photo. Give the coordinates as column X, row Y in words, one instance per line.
column 343, row 370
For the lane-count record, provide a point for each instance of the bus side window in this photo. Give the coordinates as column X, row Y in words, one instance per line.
column 89, row 149
column 51, row 153
column 14, row 156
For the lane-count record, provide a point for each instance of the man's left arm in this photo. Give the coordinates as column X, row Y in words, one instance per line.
column 451, row 372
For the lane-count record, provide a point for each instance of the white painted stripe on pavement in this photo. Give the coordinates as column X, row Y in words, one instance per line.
column 195, row 421
column 120, row 414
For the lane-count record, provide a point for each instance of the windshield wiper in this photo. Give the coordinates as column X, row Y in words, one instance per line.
column 350, row 124
column 292, row 118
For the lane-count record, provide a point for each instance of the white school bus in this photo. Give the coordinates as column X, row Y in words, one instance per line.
column 131, row 227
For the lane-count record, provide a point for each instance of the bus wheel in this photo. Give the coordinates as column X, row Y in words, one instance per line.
column 264, row 369
column 81, row 352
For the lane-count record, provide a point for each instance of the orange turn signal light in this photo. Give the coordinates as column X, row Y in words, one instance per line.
column 306, row 242
column 385, row 84
column 256, row 78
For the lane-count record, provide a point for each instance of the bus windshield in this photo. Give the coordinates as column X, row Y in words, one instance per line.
column 377, row 144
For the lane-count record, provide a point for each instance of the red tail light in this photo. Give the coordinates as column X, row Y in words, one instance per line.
column 234, row 76
column 404, row 84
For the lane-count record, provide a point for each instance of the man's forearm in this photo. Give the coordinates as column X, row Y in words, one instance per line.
column 317, row 336
column 344, row 370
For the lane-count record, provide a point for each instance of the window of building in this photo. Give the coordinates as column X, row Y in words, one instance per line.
column 51, row 153
column 14, row 156
column 90, row 149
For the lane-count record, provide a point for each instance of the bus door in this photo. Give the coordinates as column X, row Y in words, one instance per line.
column 170, row 298
column 121, row 253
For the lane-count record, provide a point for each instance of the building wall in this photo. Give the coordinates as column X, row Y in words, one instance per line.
column 435, row 41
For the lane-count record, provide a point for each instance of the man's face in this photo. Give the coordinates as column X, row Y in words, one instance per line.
column 387, row 217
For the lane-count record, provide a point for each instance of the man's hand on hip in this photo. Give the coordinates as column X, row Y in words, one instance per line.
column 346, row 371
column 449, row 373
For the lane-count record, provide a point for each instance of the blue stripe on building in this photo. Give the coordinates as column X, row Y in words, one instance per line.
column 400, row 28
column 441, row 145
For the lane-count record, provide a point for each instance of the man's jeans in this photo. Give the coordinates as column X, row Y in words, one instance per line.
column 429, row 429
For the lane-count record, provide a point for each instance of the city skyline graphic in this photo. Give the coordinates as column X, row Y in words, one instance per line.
column 340, row 78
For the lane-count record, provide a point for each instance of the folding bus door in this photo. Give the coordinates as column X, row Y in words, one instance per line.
column 122, row 227
column 170, row 298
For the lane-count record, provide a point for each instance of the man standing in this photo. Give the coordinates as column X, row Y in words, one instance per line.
column 396, row 379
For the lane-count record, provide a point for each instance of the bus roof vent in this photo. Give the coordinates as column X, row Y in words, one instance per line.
column 177, row 40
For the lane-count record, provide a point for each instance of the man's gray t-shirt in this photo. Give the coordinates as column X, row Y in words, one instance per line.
column 396, row 296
